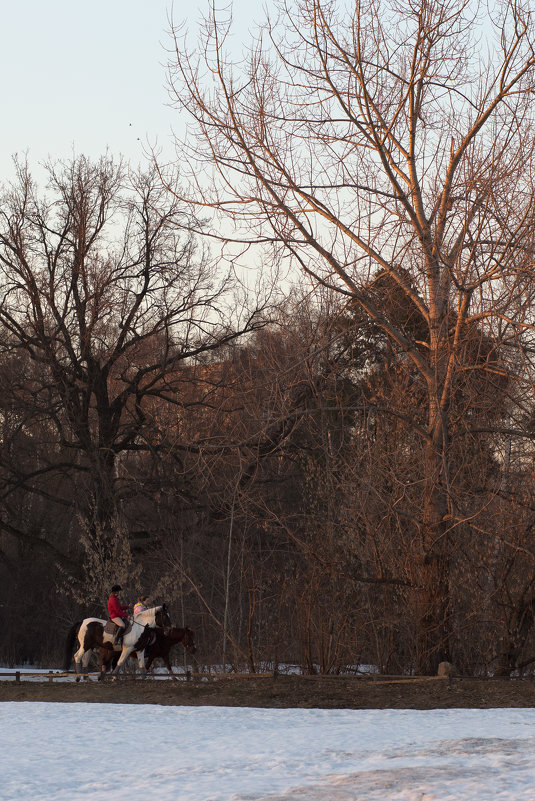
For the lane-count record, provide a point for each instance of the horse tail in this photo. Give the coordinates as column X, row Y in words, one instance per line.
column 69, row 644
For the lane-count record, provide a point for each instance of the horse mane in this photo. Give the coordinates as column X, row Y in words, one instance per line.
column 177, row 634
column 174, row 633
column 148, row 615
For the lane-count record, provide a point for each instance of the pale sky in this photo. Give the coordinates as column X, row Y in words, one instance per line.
column 86, row 77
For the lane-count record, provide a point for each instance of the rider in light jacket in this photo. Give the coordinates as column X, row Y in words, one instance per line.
column 140, row 605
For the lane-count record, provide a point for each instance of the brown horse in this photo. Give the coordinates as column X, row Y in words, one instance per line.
column 164, row 639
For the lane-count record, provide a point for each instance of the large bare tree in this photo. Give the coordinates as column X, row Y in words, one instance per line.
column 392, row 138
column 106, row 297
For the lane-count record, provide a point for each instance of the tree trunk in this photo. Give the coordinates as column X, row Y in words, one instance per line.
column 434, row 620
column 104, row 502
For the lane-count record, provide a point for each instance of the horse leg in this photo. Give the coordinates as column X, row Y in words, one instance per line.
column 141, row 664
column 85, row 662
column 148, row 662
column 106, row 657
column 79, row 655
column 125, row 653
column 167, row 663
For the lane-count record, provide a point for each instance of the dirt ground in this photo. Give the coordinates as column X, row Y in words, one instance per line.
column 284, row 692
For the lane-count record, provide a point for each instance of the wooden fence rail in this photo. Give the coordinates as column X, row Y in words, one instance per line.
column 50, row 676
column 18, row 676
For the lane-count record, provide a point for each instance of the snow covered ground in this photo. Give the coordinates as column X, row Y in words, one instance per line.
column 61, row 752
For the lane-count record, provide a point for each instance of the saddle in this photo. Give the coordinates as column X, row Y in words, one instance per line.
column 111, row 629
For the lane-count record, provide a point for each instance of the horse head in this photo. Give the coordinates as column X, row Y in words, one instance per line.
column 162, row 617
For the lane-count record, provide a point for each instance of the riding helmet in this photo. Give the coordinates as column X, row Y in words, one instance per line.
column 116, row 588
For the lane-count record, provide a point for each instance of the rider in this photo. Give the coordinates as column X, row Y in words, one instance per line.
column 140, row 605
column 116, row 611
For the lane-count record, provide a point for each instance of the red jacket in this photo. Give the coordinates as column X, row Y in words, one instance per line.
column 116, row 609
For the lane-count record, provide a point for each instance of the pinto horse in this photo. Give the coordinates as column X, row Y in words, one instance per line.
column 164, row 639
column 90, row 634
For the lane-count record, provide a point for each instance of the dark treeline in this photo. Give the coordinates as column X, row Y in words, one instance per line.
column 265, row 480
column 343, row 477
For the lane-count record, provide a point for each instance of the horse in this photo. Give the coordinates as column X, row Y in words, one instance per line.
column 164, row 639
column 90, row 634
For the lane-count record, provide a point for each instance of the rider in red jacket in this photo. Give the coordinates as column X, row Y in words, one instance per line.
column 116, row 611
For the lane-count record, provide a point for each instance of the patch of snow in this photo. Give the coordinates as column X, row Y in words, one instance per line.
column 57, row 752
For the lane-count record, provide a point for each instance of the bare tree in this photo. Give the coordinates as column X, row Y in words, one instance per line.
column 108, row 296
column 396, row 138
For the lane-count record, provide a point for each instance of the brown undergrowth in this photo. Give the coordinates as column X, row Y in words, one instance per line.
column 284, row 692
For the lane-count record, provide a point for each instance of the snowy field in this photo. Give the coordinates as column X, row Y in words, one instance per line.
column 98, row 752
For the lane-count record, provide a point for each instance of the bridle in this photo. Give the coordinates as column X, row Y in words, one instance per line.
column 162, row 613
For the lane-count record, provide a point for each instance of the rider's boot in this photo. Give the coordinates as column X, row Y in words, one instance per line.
column 119, row 637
